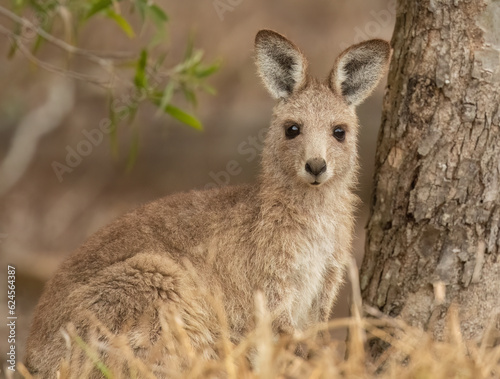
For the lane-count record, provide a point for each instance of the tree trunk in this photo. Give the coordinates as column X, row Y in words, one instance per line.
column 436, row 205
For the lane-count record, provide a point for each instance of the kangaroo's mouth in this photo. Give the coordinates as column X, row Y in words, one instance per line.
column 313, row 180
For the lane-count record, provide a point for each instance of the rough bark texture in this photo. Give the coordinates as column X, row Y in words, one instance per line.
column 436, row 206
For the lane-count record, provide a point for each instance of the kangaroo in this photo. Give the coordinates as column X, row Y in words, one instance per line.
column 287, row 236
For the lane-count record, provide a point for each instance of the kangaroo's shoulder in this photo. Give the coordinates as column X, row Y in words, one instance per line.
column 185, row 216
column 200, row 200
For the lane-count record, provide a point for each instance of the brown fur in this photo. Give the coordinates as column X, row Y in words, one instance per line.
column 282, row 235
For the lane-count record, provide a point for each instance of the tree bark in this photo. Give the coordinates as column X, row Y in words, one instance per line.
column 436, row 204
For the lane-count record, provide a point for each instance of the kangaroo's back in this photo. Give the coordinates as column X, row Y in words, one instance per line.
column 155, row 240
column 172, row 262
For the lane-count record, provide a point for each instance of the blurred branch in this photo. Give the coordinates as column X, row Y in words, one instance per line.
column 47, row 66
column 37, row 123
column 94, row 56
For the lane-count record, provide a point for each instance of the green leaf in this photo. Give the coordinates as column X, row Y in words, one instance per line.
column 13, row 45
column 133, row 152
column 121, row 22
column 166, row 97
column 158, row 37
column 98, row 6
column 160, row 60
column 140, row 79
column 203, row 72
column 47, row 26
column 113, row 131
column 141, row 6
column 183, row 117
column 190, row 95
column 38, row 44
column 189, row 47
column 132, row 111
column 41, row 7
column 189, row 63
column 195, row 59
column 208, row 89
column 12, row 50
column 158, row 16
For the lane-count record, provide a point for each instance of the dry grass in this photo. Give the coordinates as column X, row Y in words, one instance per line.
column 411, row 353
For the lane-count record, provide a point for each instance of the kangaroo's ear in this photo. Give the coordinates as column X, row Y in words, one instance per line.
column 358, row 70
column 280, row 63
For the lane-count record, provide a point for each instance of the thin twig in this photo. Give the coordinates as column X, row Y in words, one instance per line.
column 47, row 66
column 95, row 56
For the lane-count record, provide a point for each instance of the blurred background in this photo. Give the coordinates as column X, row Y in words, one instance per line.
column 43, row 115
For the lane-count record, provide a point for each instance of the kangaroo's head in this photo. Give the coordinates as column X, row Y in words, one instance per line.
column 313, row 134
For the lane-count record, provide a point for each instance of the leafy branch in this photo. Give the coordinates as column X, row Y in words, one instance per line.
column 32, row 24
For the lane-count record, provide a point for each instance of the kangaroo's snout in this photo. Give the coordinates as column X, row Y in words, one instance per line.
column 316, row 166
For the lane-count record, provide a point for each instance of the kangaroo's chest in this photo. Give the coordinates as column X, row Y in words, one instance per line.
column 310, row 267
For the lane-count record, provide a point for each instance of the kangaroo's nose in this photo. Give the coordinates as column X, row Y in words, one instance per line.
column 316, row 166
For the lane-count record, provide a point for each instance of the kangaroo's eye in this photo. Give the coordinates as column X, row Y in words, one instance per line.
column 292, row 131
column 339, row 133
